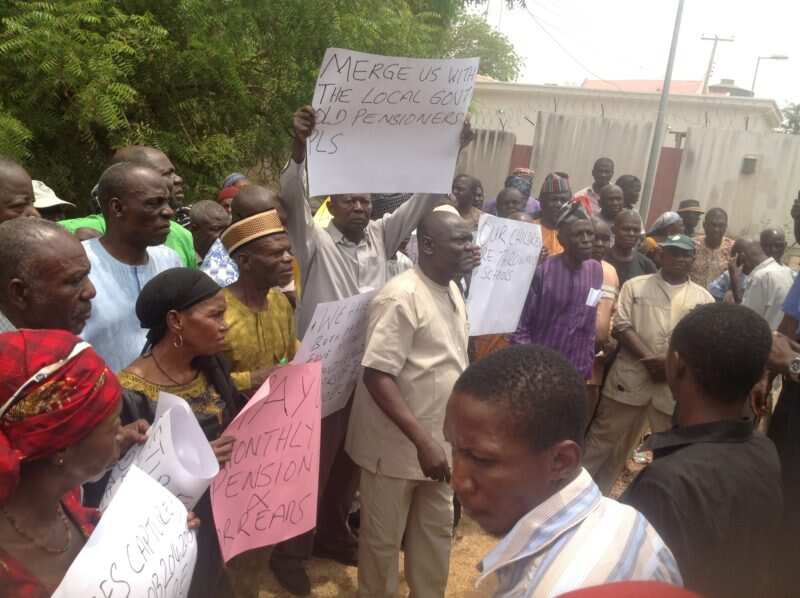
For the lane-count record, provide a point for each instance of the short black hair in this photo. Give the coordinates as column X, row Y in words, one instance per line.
column 726, row 346
column 625, row 180
column 22, row 243
column 600, row 161
column 714, row 211
column 115, row 180
column 541, row 393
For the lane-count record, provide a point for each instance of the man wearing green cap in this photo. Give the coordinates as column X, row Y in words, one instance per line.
column 636, row 391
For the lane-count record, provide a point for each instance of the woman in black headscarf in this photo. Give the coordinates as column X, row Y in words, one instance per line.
column 184, row 311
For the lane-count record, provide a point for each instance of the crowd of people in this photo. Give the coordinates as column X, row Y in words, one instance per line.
column 664, row 345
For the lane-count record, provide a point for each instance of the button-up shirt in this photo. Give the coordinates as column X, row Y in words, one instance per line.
column 333, row 267
column 561, row 310
column 766, row 289
column 713, row 492
column 651, row 307
column 577, row 538
column 5, row 324
column 219, row 265
column 710, row 263
column 418, row 334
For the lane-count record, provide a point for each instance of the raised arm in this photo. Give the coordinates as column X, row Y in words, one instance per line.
column 299, row 220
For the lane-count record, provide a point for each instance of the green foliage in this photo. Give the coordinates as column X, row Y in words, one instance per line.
column 791, row 119
column 211, row 82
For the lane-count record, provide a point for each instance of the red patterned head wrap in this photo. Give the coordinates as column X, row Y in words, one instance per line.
column 54, row 390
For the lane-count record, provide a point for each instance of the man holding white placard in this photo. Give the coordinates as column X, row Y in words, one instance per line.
column 345, row 258
column 416, row 349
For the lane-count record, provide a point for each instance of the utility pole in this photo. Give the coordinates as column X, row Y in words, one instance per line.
column 716, row 39
column 658, row 133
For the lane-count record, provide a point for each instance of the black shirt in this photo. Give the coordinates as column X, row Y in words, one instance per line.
column 713, row 493
column 639, row 265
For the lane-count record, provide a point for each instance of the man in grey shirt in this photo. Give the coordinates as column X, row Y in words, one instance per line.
column 343, row 259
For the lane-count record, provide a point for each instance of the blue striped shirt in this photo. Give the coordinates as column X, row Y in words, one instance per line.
column 577, row 538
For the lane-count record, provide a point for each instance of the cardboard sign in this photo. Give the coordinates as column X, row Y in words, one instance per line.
column 267, row 492
column 141, row 547
column 509, row 254
column 387, row 124
column 176, row 454
column 337, row 338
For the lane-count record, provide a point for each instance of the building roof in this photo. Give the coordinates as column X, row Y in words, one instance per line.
column 644, row 85
column 764, row 105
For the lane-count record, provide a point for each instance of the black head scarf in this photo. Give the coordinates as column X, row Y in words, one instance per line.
column 174, row 289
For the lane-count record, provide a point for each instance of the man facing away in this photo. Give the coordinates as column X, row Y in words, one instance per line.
column 515, row 422
column 623, row 255
column 44, row 277
column 135, row 201
column 560, row 311
column 769, row 283
column 207, row 220
column 713, row 491
column 416, row 349
column 635, row 390
column 589, row 197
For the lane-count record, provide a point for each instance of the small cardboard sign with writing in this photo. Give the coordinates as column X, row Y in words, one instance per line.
column 336, row 337
column 141, row 546
column 387, row 124
column 509, row 253
column 267, row 492
column 176, row 454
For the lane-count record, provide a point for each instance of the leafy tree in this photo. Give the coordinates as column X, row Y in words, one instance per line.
column 791, row 119
column 211, row 82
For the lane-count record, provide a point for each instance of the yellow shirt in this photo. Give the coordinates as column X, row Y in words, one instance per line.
column 261, row 339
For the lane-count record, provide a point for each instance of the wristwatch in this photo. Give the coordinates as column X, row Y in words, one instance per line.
column 794, row 368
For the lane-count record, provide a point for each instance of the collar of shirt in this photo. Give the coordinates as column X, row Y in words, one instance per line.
column 5, row 324
column 763, row 265
column 721, row 431
column 542, row 526
column 340, row 239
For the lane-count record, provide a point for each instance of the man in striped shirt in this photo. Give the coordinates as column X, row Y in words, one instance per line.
column 561, row 309
column 515, row 421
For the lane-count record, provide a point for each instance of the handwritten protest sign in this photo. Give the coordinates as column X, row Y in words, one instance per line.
column 141, row 547
column 387, row 124
column 267, row 492
column 337, row 338
column 176, row 454
column 509, row 253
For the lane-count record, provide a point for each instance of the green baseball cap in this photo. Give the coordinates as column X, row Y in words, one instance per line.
column 679, row 242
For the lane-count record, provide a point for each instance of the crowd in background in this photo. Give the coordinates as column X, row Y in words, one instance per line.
column 665, row 344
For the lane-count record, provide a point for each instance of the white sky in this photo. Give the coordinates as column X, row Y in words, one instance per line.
column 629, row 39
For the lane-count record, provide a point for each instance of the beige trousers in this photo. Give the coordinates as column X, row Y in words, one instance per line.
column 614, row 433
column 417, row 515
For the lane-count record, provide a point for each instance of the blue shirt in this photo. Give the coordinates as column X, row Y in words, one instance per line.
column 113, row 328
column 219, row 265
column 791, row 305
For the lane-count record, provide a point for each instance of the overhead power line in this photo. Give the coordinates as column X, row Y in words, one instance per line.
column 567, row 52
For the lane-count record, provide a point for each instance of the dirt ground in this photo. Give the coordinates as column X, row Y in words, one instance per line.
column 253, row 579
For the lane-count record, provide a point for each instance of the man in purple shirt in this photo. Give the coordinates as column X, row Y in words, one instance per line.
column 561, row 307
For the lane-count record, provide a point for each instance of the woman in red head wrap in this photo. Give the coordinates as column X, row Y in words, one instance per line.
column 59, row 421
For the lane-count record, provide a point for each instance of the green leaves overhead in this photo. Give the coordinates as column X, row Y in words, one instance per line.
column 211, row 82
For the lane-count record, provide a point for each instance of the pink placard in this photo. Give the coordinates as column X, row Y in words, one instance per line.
column 267, row 492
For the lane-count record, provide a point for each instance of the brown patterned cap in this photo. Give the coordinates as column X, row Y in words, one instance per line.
column 251, row 228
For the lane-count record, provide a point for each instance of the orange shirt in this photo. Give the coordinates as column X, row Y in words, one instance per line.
column 550, row 238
